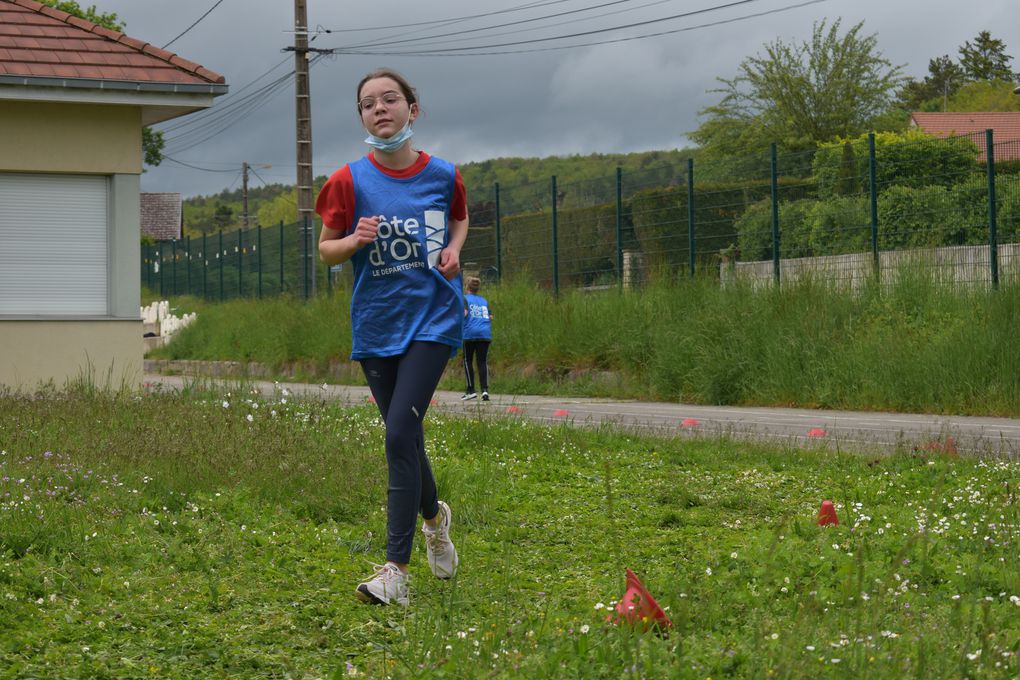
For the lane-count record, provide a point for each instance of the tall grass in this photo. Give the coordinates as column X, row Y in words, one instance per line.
column 911, row 345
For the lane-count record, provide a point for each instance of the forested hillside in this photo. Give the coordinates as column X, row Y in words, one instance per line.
column 269, row 204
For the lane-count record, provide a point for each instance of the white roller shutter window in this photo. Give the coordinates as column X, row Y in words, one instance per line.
column 53, row 244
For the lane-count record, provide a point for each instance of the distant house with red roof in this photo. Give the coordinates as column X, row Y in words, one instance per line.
column 1005, row 127
column 74, row 98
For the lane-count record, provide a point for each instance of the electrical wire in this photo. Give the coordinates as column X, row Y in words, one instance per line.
column 194, row 24
column 509, row 23
column 194, row 167
column 530, row 5
column 477, row 51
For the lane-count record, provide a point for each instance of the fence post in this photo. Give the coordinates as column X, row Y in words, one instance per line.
column 690, row 213
column 775, row 214
column 281, row 257
column 619, row 226
column 220, row 255
column 873, row 191
column 499, row 240
column 205, row 266
column 162, row 274
column 173, row 258
column 152, row 260
column 258, row 256
column 555, row 243
column 240, row 262
column 187, row 244
column 993, row 236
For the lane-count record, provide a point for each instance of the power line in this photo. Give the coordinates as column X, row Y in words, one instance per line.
column 510, row 23
column 193, row 167
column 194, row 24
column 428, row 39
column 476, row 51
column 530, row 5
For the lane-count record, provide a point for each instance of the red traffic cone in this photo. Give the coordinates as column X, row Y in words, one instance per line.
column 690, row 422
column 561, row 412
column 513, row 409
column 827, row 515
column 639, row 607
column 817, row 432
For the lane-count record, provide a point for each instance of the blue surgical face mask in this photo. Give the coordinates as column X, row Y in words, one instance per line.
column 394, row 142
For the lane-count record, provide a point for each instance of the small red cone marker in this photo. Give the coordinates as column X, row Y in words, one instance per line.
column 434, row 402
column 817, row 432
column 639, row 607
column 513, row 409
column 371, row 400
column 690, row 422
column 827, row 515
column 560, row 412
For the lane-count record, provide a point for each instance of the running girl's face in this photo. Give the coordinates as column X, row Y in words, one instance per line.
column 384, row 108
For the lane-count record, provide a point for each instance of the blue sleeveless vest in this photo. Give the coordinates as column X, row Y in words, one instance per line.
column 399, row 296
column 477, row 325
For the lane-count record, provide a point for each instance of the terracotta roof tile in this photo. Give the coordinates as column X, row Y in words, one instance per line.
column 1005, row 127
column 35, row 38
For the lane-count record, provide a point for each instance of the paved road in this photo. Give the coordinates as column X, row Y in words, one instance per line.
column 845, row 430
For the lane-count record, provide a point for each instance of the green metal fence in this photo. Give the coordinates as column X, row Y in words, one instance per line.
column 843, row 213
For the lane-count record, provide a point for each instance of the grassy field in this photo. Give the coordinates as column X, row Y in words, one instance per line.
column 221, row 535
column 915, row 346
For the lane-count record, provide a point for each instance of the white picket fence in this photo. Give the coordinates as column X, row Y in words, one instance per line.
column 158, row 319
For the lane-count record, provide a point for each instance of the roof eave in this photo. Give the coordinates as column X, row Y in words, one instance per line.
column 214, row 89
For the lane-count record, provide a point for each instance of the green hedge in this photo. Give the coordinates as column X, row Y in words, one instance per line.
column 913, row 159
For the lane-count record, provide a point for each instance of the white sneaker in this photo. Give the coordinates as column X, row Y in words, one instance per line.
column 485, row 396
column 441, row 553
column 387, row 586
column 469, row 396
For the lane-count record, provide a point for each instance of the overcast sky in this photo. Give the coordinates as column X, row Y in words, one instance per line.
column 635, row 95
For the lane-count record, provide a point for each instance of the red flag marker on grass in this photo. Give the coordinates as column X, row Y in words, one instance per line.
column 827, row 515
column 639, row 608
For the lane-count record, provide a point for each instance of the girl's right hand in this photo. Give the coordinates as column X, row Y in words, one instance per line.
column 366, row 230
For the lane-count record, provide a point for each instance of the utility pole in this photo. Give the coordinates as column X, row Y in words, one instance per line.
column 303, row 130
column 244, row 192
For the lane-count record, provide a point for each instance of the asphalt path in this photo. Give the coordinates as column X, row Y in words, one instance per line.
column 851, row 431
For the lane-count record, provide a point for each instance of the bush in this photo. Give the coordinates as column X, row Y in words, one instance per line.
column 918, row 217
column 912, row 158
column 839, row 225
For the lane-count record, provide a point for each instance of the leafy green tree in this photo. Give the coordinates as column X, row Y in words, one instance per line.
column 986, row 58
column 985, row 95
column 152, row 141
column 944, row 79
column 799, row 95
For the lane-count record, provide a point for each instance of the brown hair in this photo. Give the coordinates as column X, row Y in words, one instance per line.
column 410, row 94
column 473, row 284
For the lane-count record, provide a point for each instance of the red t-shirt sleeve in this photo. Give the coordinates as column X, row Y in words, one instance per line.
column 458, row 209
column 335, row 204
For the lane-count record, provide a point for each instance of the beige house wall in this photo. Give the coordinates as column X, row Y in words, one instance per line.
column 94, row 139
column 67, row 137
column 105, row 353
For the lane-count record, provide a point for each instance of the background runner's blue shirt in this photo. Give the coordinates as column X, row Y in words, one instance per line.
column 399, row 296
column 477, row 324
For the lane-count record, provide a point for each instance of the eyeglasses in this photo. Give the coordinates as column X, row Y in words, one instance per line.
column 388, row 99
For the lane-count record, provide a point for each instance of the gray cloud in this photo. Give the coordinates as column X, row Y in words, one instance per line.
column 629, row 96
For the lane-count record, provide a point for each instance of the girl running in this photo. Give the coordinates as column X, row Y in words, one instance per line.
column 400, row 216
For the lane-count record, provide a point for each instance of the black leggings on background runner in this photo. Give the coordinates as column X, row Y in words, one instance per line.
column 403, row 387
column 481, row 348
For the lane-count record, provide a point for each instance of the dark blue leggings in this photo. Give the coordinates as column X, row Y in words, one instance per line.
column 403, row 387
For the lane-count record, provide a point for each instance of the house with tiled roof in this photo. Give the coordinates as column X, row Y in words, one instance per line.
column 1005, row 127
column 74, row 99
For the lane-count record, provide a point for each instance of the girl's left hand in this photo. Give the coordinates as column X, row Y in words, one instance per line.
column 449, row 263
